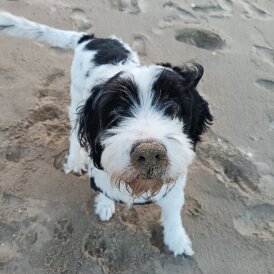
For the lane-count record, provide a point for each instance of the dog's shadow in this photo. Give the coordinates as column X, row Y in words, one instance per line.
column 157, row 238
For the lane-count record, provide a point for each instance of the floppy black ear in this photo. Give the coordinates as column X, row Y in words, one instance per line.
column 201, row 118
column 191, row 73
column 89, row 128
column 197, row 118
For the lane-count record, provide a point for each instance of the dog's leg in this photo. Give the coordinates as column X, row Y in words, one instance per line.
column 175, row 236
column 104, row 207
column 78, row 158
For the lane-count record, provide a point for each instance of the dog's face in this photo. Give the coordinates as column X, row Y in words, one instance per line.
column 142, row 125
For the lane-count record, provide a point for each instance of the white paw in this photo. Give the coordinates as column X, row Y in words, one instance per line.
column 77, row 165
column 74, row 167
column 104, row 207
column 178, row 242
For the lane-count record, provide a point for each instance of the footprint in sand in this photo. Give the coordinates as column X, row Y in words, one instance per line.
column 208, row 8
column 54, row 93
column 200, row 38
column 265, row 54
column 220, row 9
column 102, row 248
column 192, row 207
column 177, row 12
column 114, row 247
column 174, row 13
column 129, row 217
column 80, row 20
column 23, row 233
column 63, row 229
column 256, row 222
column 265, row 84
column 57, row 74
column 139, row 44
column 16, row 152
column 194, row 13
column 232, row 167
column 59, row 255
column 93, row 247
column 127, row 6
column 47, row 111
column 226, row 4
column 252, row 10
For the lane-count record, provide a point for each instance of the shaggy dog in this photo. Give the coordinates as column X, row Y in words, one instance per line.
column 134, row 127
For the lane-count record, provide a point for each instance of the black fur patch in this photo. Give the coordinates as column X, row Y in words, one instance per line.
column 109, row 51
column 86, row 38
column 108, row 104
column 175, row 92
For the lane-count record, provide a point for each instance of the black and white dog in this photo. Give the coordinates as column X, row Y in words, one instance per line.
column 139, row 124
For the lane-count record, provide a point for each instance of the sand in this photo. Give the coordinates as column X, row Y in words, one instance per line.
column 47, row 221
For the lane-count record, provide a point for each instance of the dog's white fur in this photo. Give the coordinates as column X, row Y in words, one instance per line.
column 147, row 123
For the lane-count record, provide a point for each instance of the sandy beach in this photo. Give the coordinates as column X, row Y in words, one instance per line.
column 47, row 220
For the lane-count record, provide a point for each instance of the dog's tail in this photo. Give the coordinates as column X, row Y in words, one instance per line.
column 21, row 27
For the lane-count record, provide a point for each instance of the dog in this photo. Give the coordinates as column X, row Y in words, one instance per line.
column 133, row 127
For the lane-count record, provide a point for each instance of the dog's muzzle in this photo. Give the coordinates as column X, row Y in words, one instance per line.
column 148, row 169
column 149, row 157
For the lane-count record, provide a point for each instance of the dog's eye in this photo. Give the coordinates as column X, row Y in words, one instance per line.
column 172, row 108
column 173, row 105
column 119, row 110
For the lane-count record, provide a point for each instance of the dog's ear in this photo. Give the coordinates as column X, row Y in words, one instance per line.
column 199, row 118
column 190, row 73
column 89, row 128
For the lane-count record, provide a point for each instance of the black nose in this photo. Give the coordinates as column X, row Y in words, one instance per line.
column 148, row 154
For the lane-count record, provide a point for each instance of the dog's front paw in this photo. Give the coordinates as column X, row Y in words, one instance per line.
column 104, row 207
column 178, row 242
column 76, row 165
column 76, row 168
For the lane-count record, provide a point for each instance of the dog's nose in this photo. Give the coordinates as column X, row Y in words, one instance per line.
column 149, row 154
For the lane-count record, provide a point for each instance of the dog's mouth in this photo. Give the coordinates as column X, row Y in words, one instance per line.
column 150, row 187
column 137, row 184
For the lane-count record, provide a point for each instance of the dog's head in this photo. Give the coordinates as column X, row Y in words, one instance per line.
column 141, row 126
